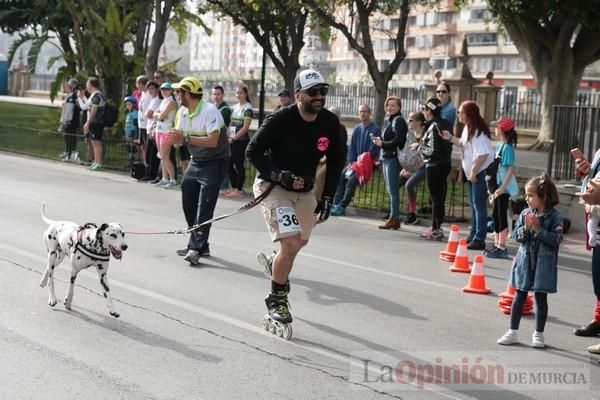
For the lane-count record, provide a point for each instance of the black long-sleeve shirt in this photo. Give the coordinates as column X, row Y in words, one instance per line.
column 285, row 141
column 393, row 136
column 435, row 149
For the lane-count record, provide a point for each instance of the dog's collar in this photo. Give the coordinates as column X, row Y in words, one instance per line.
column 91, row 253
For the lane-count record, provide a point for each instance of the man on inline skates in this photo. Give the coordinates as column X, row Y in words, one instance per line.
column 285, row 151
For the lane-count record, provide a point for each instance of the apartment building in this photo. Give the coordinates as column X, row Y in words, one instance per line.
column 232, row 52
column 229, row 52
column 433, row 42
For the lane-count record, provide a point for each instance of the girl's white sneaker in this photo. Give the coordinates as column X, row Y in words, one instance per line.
column 537, row 340
column 510, row 337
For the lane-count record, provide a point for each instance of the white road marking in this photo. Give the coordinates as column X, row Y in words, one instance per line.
column 228, row 320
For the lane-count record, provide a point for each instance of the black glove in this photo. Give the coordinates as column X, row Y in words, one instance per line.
column 323, row 209
column 287, row 180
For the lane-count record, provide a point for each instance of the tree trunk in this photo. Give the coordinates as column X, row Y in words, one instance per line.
column 381, row 88
column 553, row 91
column 289, row 75
column 158, row 38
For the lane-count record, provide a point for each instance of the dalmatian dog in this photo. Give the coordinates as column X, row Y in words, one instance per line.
column 86, row 246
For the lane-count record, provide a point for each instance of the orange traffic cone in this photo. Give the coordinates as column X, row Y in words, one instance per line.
column 451, row 246
column 461, row 259
column 477, row 278
column 506, row 299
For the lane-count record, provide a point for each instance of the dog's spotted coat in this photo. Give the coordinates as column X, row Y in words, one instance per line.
column 86, row 246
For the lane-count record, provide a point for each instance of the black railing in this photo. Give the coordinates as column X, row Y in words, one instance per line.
column 572, row 126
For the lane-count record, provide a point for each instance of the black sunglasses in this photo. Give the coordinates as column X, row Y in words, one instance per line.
column 441, row 91
column 313, row 91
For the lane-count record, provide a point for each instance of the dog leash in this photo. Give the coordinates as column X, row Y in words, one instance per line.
column 251, row 204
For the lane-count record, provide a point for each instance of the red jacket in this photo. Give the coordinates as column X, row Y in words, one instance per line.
column 363, row 168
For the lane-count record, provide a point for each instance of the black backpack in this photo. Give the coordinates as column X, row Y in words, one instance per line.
column 111, row 114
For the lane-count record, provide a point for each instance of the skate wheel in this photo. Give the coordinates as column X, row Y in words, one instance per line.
column 279, row 330
column 287, row 332
column 261, row 258
column 266, row 323
column 272, row 327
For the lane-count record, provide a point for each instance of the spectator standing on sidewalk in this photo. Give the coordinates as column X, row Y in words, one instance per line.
column 507, row 185
column 477, row 155
column 142, row 138
column 69, row 120
column 94, row 125
column 392, row 139
column 218, row 99
column 239, row 129
column 165, row 116
column 436, row 154
column 360, row 142
column 151, row 148
column 285, row 99
column 448, row 111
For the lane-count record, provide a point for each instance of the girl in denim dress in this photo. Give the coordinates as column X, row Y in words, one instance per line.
column 539, row 231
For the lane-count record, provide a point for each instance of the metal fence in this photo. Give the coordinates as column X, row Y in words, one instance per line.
column 525, row 106
column 522, row 105
column 572, row 126
column 372, row 196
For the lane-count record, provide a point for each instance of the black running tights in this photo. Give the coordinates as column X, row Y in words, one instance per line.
column 541, row 310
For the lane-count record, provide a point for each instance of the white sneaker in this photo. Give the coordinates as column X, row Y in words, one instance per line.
column 161, row 182
column 193, row 257
column 170, row 184
column 537, row 340
column 510, row 337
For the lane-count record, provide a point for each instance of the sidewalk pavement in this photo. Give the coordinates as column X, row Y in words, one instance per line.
column 572, row 249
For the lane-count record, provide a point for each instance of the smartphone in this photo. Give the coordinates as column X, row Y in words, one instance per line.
column 577, row 154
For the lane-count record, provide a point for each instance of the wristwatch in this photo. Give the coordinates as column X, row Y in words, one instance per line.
column 186, row 140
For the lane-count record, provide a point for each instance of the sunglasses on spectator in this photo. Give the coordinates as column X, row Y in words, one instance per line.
column 441, row 91
column 313, row 91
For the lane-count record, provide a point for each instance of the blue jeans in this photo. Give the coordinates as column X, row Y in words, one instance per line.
column 478, row 197
column 345, row 190
column 199, row 194
column 391, row 174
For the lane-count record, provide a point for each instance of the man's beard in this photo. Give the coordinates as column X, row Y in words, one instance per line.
column 310, row 108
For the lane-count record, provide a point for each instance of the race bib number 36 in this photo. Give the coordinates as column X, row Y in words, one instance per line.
column 286, row 220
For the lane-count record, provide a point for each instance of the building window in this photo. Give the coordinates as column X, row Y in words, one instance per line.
column 498, row 64
column 478, row 15
column 446, row 17
column 421, row 20
column 412, row 20
column 410, row 42
column 484, row 65
column 516, row 64
column 431, row 18
column 482, row 39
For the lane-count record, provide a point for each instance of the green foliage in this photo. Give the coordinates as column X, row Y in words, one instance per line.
column 181, row 18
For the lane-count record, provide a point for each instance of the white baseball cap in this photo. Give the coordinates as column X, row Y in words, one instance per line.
column 307, row 79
